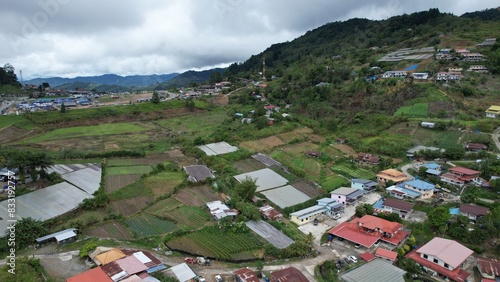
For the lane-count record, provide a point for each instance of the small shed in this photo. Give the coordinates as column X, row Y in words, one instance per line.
column 427, row 124
column 61, row 237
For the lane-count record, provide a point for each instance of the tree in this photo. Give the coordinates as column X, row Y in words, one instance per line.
column 363, row 210
column 87, row 248
column 156, row 98
column 190, row 104
column 27, row 230
column 245, row 190
column 439, row 217
column 63, row 108
column 455, row 153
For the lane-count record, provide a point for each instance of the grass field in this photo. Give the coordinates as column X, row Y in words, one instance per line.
column 334, row 183
column 213, row 242
column 164, row 182
column 86, row 131
column 446, row 139
column 162, row 206
column 135, row 169
column 353, row 171
column 136, row 189
column 188, row 217
column 148, row 225
column 112, row 229
column 196, row 124
column 17, row 121
column 418, row 110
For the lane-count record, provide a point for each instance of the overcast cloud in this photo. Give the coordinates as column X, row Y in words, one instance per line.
column 88, row 37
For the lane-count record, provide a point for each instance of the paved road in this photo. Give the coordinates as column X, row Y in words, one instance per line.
column 495, row 136
column 405, row 169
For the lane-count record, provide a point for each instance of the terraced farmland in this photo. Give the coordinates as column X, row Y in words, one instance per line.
column 148, row 225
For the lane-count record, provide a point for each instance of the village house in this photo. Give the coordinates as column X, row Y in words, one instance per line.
column 346, row 196
column 493, row 111
column 391, row 175
column 473, row 57
column 245, row 275
column 400, row 192
column 291, row 274
column 488, row 42
column 448, row 76
column 367, row 158
column 394, row 74
column 455, row 69
column 369, row 229
column 460, row 176
column 325, row 206
column 219, row 210
column 473, row 212
column 420, row 75
column 489, row 269
column 313, row 154
column 61, row 237
column 478, row 69
column 475, row 147
column 391, row 205
column 269, row 212
column 363, row 184
column 444, row 258
column 377, row 270
column 198, row 173
column 386, row 254
column 425, row 189
column 462, row 51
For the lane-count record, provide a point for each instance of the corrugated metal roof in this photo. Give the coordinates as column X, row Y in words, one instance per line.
column 183, row 272
column 286, row 196
column 376, row 270
column 264, row 179
column 50, row 236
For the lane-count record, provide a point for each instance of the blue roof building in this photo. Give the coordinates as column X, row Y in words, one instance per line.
column 426, row 189
column 432, row 166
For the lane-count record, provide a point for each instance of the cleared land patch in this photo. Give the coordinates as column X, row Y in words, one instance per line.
column 112, row 229
column 287, row 137
column 307, row 188
column 163, row 183
column 128, row 207
column 418, row 110
column 188, row 217
column 130, row 169
column 353, row 171
column 148, row 225
column 117, row 182
column 248, row 165
column 196, row 196
column 162, row 206
column 262, row 145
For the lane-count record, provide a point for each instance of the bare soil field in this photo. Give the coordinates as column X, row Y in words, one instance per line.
column 196, row 196
column 132, row 206
column 346, row 149
column 248, row 165
column 316, row 138
column 262, row 145
column 304, row 130
column 287, row 137
column 307, row 187
column 11, row 133
column 117, row 182
column 300, row 148
column 175, row 154
column 437, row 107
column 113, row 229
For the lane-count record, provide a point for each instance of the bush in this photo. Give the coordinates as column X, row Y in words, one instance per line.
column 87, row 248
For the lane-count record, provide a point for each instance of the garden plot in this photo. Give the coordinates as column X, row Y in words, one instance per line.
column 148, row 225
column 268, row 161
column 264, row 179
column 162, row 206
column 117, row 182
column 286, row 196
column 307, row 187
column 113, row 229
column 163, row 183
column 150, row 160
column 196, row 196
column 130, row 169
column 188, row 217
column 270, row 233
column 220, row 148
column 300, row 148
column 287, row 137
column 248, row 165
column 261, row 145
column 132, row 206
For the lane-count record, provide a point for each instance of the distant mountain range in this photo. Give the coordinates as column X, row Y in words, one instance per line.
column 106, row 79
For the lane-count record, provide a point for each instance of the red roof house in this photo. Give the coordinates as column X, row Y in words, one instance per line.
column 367, row 256
column 94, row 275
column 489, row 268
column 386, row 254
column 245, row 275
column 369, row 229
column 472, row 211
column 290, row 274
column 443, row 256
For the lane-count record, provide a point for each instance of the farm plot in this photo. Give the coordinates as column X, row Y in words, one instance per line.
column 162, row 206
column 140, row 161
column 307, row 187
column 148, row 225
column 270, row 233
column 300, row 162
column 112, row 229
column 262, row 145
column 287, row 137
column 334, row 183
column 248, row 165
column 215, row 243
column 418, row 110
column 316, row 138
column 188, row 217
column 300, row 148
column 136, row 189
column 163, row 183
column 117, row 182
column 353, row 171
column 133, row 169
column 196, row 196
column 132, row 206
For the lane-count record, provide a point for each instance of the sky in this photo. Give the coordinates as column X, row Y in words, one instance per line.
column 69, row 38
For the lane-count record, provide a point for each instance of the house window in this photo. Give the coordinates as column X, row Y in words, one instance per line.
column 426, row 256
column 436, row 261
column 446, row 265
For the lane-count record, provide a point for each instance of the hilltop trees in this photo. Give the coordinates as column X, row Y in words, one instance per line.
column 8, row 76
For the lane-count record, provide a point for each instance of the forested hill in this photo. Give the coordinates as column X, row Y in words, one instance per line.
column 333, row 74
column 487, row 15
column 353, row 37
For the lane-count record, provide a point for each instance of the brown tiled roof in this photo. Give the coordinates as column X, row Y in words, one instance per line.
column 395, row 203
column 473, row 209
column 247, row 275
column 290, row 274
column 489, row 266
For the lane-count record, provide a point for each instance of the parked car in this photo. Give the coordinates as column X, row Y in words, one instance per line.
column 376, row 244
column 315, row 222
column 353, row 259
column 218, row 278
column 336, row 216
column 357, row 246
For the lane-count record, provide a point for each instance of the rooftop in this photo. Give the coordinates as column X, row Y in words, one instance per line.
column 474, row 210
column 395, row 203
column 446, row 250
column 247, row 275
column 198, row 172
column 376, row 270
column 419, row 184
column 345, row 191
column 489, row 266
column 386, row 254
column 183, row 272
column 367, row 256
column 463, row 170
column 457, row 274
column 290, row 274
column 94, row 275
